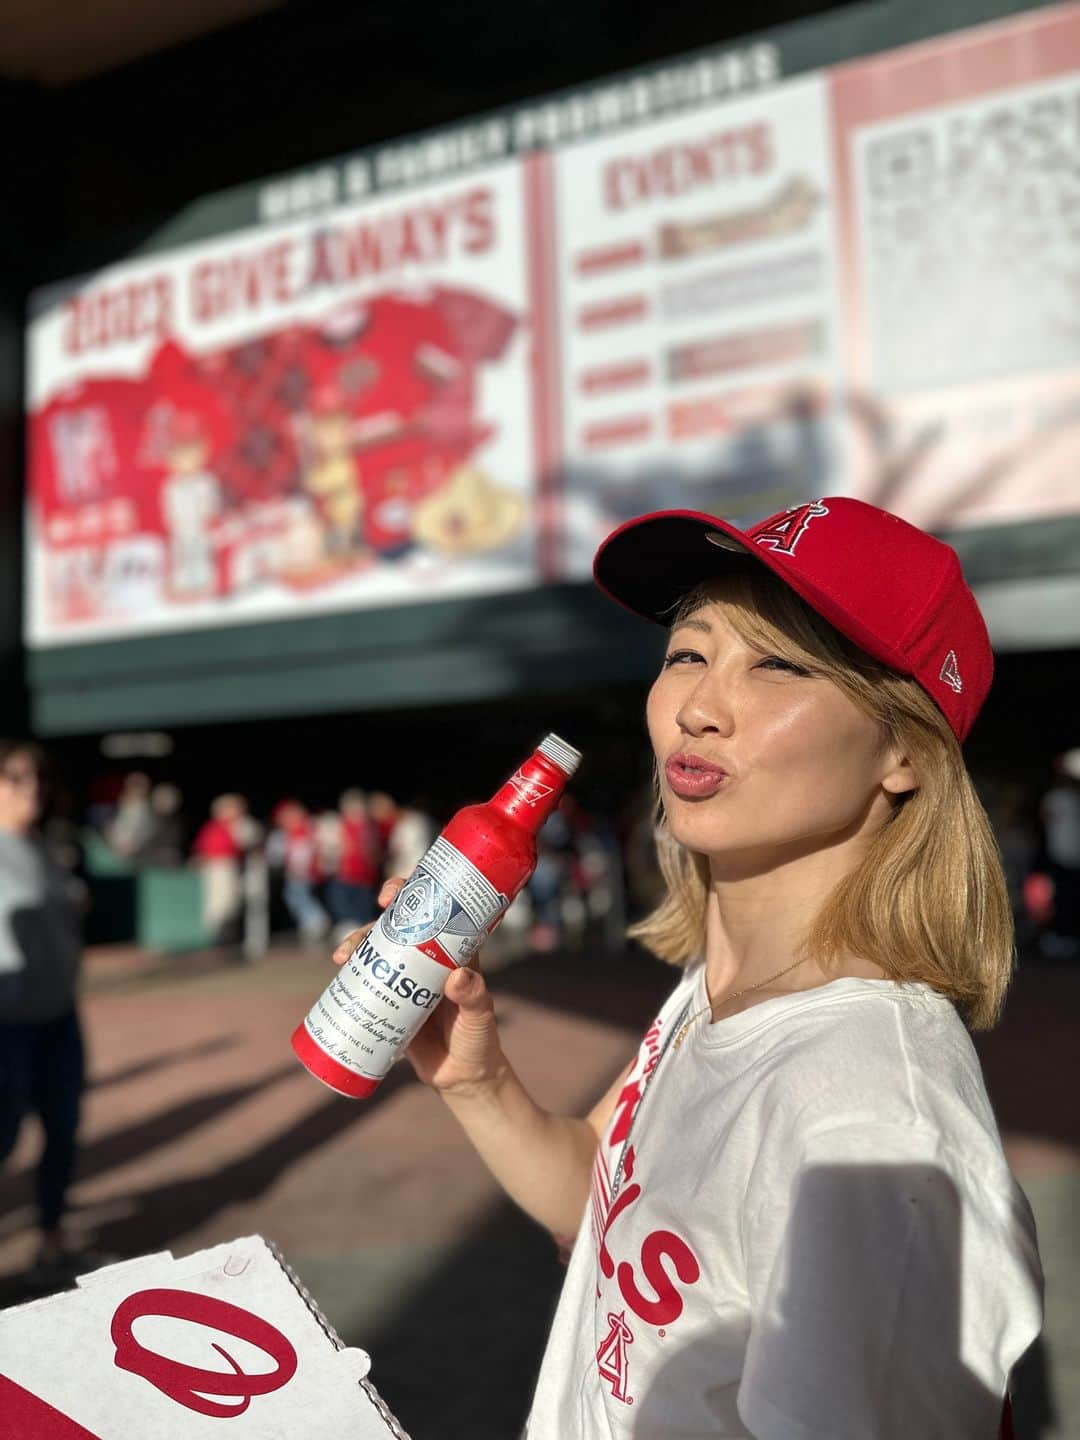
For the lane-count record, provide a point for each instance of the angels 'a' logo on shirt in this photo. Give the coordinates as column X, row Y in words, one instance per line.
column 651, row 1283
column 611, row 1356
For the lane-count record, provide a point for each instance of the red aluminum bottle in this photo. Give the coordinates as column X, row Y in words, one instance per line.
column 456, row 896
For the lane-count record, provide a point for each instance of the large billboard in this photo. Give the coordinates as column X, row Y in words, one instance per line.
column 449, row 366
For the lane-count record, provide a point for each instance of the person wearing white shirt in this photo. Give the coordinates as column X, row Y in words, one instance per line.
column 42, row 1068
column 794, row 1218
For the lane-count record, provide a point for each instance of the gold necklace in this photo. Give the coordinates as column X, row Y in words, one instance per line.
column 685, row 1026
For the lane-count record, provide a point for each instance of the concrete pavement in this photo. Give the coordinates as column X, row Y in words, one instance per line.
column 200, row 1127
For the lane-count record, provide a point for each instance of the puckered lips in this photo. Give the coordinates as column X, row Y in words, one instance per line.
column 692, row 777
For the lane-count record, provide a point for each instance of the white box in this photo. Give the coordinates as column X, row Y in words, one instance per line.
column 164, row 1349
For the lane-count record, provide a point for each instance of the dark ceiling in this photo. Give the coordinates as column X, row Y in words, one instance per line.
column 56, row 42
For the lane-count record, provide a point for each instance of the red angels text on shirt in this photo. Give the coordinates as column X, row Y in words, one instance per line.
column 631, row 1093
column 659, row 1249
column 649, row 1283
column 666, row 1303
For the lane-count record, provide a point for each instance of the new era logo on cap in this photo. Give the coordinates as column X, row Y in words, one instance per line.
column 950, row 672
column 894, row 590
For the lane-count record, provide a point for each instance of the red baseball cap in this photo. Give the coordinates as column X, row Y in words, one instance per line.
column 894, row 590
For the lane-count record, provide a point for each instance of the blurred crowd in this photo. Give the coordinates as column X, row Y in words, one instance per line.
column 323, row 867
column 1039, row 839
column 317, row 873
column 320, row 869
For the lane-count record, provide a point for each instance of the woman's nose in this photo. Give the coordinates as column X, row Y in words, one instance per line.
column 706, row 710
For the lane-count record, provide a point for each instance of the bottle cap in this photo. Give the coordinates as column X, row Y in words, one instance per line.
column 560, row 753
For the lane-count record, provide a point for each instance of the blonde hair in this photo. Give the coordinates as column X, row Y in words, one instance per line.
column 927, row 902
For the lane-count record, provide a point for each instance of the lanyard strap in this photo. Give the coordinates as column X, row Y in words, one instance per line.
column 649, row 1074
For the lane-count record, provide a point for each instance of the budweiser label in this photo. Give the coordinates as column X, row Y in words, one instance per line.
column 376, row 1004
column 389, row 986
column 447, row 900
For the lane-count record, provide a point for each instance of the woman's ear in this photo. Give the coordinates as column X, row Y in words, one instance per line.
column 900, row 777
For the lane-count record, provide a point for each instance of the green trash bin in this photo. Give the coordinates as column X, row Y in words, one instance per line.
column 169, row 910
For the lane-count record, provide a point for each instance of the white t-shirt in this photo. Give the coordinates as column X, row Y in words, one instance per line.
column 816, row 1236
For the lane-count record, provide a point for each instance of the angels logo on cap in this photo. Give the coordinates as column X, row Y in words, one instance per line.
column 783, row 532
column 894, row 590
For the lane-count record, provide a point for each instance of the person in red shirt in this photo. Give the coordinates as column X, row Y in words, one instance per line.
column 383, row 810
column 302, row 869
column 350, row 892
column 218, row 849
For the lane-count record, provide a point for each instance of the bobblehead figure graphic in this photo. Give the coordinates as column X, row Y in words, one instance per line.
column 190, row 503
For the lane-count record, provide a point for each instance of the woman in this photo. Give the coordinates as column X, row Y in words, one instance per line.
column 796, row 1220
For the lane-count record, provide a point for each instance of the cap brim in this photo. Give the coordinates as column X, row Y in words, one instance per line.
column 652, row 562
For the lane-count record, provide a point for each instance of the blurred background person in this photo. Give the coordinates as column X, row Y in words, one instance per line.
column 598, row 909
column 133, row 821
column 410, row 836
column 274, row 853
column 1060, row 815
column 219, row 849
column 326, row 827
column 549, row 882
column 301, row 870
column 61, row 831
column 102, row 797
column 1017, row 836
column 644, row 883
column 382, row 809
column 350, row 890
column 42, row 1064
column 166, row 843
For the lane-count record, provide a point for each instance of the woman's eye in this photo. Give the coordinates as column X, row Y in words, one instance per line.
column 682, row 657
column 774, row 662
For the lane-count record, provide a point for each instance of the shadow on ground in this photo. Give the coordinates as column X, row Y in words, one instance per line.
column 461, row 1355
column 159, row 1213
column 461, row 1358
column 170, row 1057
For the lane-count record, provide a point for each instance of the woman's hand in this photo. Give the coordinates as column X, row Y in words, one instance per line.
column 457, row 1048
